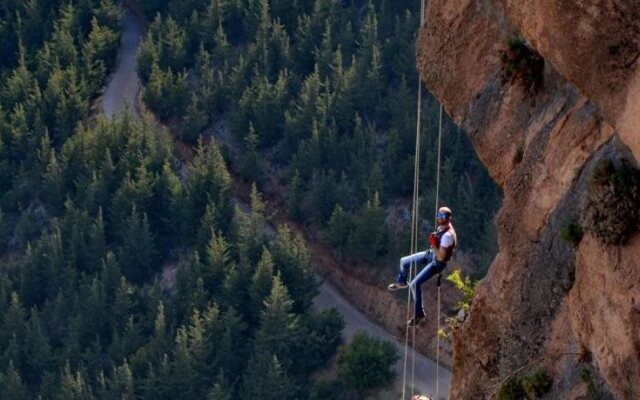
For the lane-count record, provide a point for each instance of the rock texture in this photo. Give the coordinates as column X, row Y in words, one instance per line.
column 545, row 303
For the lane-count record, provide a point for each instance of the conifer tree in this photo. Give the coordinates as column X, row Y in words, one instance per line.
column 261, row 283
column 97, row 244
column 251, row 227
column 3, row 231
column 366, row 363
column 206, row 229
column 222, row 47
column 267, row 379
column 108, row 14
column 137, row 251
column 44, row 270
column 53, row 190
column 370, row 237
column 122, row 382
column 305, row 110
column 62, row 42
column 303, row 59
column 98, row 53
column 195, row 120
column 14, row 319
column 250, row 168
column 218, row 261
column 293, row 262
column 295, row 197
column 11, row 384
column 278, row 324
column 324, row 53
column 220, row 389
column 74, row 386
column 338, row 229
column 208, row 180
column 159, row 342
column 232, row 350
column 191, row 371
column 21, row 85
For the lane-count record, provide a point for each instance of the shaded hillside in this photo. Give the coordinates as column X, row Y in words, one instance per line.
column 318, row 99
column 94, row 211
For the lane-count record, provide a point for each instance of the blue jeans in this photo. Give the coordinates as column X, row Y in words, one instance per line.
column 432, row 268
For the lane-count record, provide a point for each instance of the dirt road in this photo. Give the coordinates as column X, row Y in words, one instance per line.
column 124, row 86
column 123, row 89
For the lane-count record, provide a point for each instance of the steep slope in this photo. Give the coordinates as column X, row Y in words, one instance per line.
column 573, row 311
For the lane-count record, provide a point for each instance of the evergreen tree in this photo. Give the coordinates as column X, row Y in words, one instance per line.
column 261, row 283
column 251, row 227
column 14, row 320
column 121, row 384
column 191, row 371
column 44, row 271
column 74, row 386
column 208, row 181
column 137, row 252
column 324, row 53
column 305, row 111
column 293, row 262
column 267, row 379
column 251, row 168
column 366, row 363
column 339, row 229
column 321, row 335
column 11, row 384
column 98, row 53
column 295, row 196
column 66, row 102
column 220, row 389
column 97, row 243
column 370, row 236
column 278, row 325
column 232, row 350
column 195, row 120
column 218, row 261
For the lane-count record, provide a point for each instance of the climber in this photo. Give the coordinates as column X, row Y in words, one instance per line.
column 443, row 242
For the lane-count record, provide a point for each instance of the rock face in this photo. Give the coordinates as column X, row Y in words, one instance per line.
column 546, row 303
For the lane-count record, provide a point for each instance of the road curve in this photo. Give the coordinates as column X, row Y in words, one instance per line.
column 425, row 372
column 123, row 89
column 124, row 86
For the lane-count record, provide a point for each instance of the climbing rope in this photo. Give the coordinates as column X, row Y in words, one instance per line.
column 414, row 239
column 414, row 245
column 414, row 233
column 440, row 274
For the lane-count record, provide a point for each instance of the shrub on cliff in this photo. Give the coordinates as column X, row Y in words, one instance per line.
column 531, row 386
column 612, row 207
column 519, row 63
column 572, row 232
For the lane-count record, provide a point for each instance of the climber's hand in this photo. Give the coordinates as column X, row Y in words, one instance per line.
column 433, row 240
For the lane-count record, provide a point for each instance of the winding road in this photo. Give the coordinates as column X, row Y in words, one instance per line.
column 124, row 86
column 123, row 90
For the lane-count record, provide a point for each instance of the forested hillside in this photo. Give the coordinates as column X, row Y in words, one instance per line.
column 320, row 95
column 128, row 273
column 123, row 273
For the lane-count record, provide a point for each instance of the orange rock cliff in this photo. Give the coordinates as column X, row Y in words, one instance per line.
column 569, row 308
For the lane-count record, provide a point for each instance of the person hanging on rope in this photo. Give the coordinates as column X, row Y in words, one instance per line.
column 443, row 242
